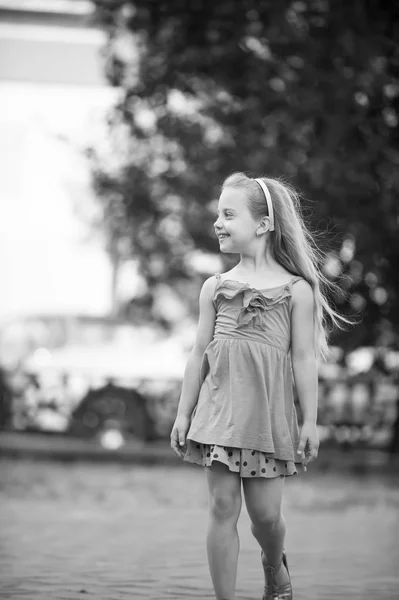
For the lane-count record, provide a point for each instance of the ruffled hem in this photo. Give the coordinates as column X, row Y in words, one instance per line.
column 246, row 462
column 254, row 301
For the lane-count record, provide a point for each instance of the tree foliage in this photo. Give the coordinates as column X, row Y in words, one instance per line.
column 307, row 90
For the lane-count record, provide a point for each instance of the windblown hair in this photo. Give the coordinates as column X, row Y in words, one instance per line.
column 293, row 247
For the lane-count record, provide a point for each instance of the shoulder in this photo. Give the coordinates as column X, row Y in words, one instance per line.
column 302, row 293
column 208, row 287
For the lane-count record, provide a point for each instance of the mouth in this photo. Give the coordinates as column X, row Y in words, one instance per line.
column 222, row 237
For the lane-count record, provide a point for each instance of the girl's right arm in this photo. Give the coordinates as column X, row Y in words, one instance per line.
column 191, row 381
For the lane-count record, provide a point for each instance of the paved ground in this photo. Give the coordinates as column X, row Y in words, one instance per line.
column 112, row 532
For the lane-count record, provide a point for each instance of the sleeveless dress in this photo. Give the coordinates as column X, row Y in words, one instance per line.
column 245, row 416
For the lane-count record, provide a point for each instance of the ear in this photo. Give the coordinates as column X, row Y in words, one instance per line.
column 264, row 225
column 267, row 223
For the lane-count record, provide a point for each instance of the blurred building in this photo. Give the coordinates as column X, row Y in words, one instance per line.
column 53, row 99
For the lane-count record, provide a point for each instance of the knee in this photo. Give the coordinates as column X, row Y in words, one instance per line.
column 225, row 507
column 268, row 519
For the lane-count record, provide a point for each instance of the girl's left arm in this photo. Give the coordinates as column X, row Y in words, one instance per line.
column 304, row 366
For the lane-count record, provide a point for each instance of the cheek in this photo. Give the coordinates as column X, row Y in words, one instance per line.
column 244, row 230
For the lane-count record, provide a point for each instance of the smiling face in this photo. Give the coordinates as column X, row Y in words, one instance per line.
column 235, row 220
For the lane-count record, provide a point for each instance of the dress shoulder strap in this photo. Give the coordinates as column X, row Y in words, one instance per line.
column 295, row 279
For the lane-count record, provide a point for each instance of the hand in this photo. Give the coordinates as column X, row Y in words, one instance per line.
column 178, row 435
column 309, row 442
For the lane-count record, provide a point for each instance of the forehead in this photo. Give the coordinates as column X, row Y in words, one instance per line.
column 233, row 198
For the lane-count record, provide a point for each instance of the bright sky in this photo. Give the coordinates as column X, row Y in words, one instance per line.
column 45, row 262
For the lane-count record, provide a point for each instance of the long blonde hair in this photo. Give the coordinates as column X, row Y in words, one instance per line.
column 294, row 247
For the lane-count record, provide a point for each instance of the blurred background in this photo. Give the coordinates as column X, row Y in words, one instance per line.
column 118, row 122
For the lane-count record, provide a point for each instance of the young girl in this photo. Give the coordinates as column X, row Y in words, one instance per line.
column 261, row 326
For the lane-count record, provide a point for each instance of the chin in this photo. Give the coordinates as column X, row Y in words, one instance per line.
column 228, row 248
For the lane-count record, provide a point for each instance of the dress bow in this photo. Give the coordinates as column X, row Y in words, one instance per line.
column 255, row 302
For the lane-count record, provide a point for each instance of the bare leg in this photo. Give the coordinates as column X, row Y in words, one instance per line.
column 263, row 499
column 222, row 535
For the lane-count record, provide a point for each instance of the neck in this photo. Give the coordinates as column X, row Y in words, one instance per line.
column 258, row 262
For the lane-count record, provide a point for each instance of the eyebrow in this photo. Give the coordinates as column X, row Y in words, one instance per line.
column 232, row 209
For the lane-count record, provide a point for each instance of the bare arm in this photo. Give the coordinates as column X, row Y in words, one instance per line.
column 191, row 380
column 304, row 364
column 205, row 330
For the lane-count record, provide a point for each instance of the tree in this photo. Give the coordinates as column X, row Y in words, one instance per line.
column 305, row 89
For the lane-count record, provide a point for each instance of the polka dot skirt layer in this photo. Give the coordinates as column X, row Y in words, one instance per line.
column 248, row 463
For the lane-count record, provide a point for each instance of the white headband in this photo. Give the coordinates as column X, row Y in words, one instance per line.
column 269, row 202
